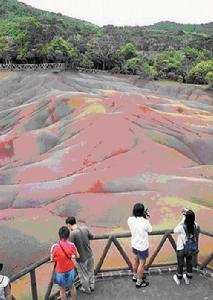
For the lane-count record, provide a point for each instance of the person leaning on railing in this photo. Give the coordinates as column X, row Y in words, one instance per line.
column 139, row 227
column 81, row 236
column 5, row 288
column 63, row 253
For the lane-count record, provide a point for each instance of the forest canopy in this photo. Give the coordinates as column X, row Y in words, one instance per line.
column 165, row 50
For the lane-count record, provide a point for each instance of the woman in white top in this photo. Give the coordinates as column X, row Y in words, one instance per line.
column 139, row 227
column 187, row 228
column 5, row 290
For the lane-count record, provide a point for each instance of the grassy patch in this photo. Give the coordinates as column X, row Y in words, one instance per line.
column 203, row 202
column 175, row 201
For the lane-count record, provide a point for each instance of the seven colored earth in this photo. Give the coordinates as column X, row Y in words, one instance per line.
column 92, row 146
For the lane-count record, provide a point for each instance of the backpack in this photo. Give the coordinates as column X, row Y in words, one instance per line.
column 191, row 244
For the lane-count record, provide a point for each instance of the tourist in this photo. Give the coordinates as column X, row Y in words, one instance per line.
column 5, row 288
column 187, row 245
column 139, row 227
column 63, row 254
column 81, row 236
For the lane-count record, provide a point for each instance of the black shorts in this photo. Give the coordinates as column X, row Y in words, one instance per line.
column 141, row 254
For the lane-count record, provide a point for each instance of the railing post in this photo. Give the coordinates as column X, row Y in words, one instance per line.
column 106, row 249
column 157, row 250
column 33, row 285
column 50, row 285
column 172, row 242
column 122, row 252
column 206, row 261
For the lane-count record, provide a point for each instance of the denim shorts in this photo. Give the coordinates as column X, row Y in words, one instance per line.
column 65, row 279
column 141, row 254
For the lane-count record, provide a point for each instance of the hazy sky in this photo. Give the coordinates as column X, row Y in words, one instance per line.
column 130, row 12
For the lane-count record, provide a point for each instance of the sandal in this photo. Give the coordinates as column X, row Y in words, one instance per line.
column 143, row 283
column 134, row 278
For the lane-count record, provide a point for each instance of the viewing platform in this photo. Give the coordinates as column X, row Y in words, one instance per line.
column 116, row 283
column 161, row 286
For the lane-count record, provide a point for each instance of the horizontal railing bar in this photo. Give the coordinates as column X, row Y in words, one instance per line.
column 97, row 237
column 114, row 270
column 163, row 265
column 128, row 234
column 205, row 232
column 30, row 268
column 160, row 265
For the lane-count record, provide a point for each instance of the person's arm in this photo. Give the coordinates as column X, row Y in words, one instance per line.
column 129, row 222
column 52, row 253
column 178, row 228
column 90, row 234
column 149, row 226
column 76, row 255
column 75, row 252
column 8, row 293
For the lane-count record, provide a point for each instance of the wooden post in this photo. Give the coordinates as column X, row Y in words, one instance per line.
column 106, row 249
column 50, row 285
column 206, row 261
column 157, row 250
column 122, row 252
column 33, row 285
column 172, row 241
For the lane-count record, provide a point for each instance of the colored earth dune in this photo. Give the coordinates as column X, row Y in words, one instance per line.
column 92, row 146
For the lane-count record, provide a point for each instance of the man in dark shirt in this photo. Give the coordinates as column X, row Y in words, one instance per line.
column 81, row 236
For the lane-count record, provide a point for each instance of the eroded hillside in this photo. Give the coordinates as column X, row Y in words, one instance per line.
column 92, row 145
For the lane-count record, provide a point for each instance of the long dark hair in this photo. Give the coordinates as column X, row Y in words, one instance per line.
column 190, row 221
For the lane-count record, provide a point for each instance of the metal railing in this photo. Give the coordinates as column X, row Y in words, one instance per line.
column 113, row 239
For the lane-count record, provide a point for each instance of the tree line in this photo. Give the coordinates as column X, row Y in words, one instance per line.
column 33, row 36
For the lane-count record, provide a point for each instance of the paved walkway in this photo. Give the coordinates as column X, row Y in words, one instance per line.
column 161, row 287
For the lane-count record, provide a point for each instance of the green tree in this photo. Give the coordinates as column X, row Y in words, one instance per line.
column 209, row 77
column 8, row 50
column 86, row 61
column 201, row 72
column 128, row 51
column 101, row 50
column 59, row 50
column 169, row 64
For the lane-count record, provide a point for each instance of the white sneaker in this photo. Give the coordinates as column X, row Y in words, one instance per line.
column 85, row 290
column 186, row 279
column 177, row 281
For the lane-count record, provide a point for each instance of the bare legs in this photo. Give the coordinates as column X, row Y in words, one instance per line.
column 62, row 293
column 72, row 292
column 138, row 267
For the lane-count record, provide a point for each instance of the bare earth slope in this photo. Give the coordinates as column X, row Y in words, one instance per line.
column 93, row 145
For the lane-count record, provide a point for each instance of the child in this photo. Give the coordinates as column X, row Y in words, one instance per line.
column 62, row 254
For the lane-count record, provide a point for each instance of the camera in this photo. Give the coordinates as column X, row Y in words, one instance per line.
column 184, row 211
column 146, row 213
